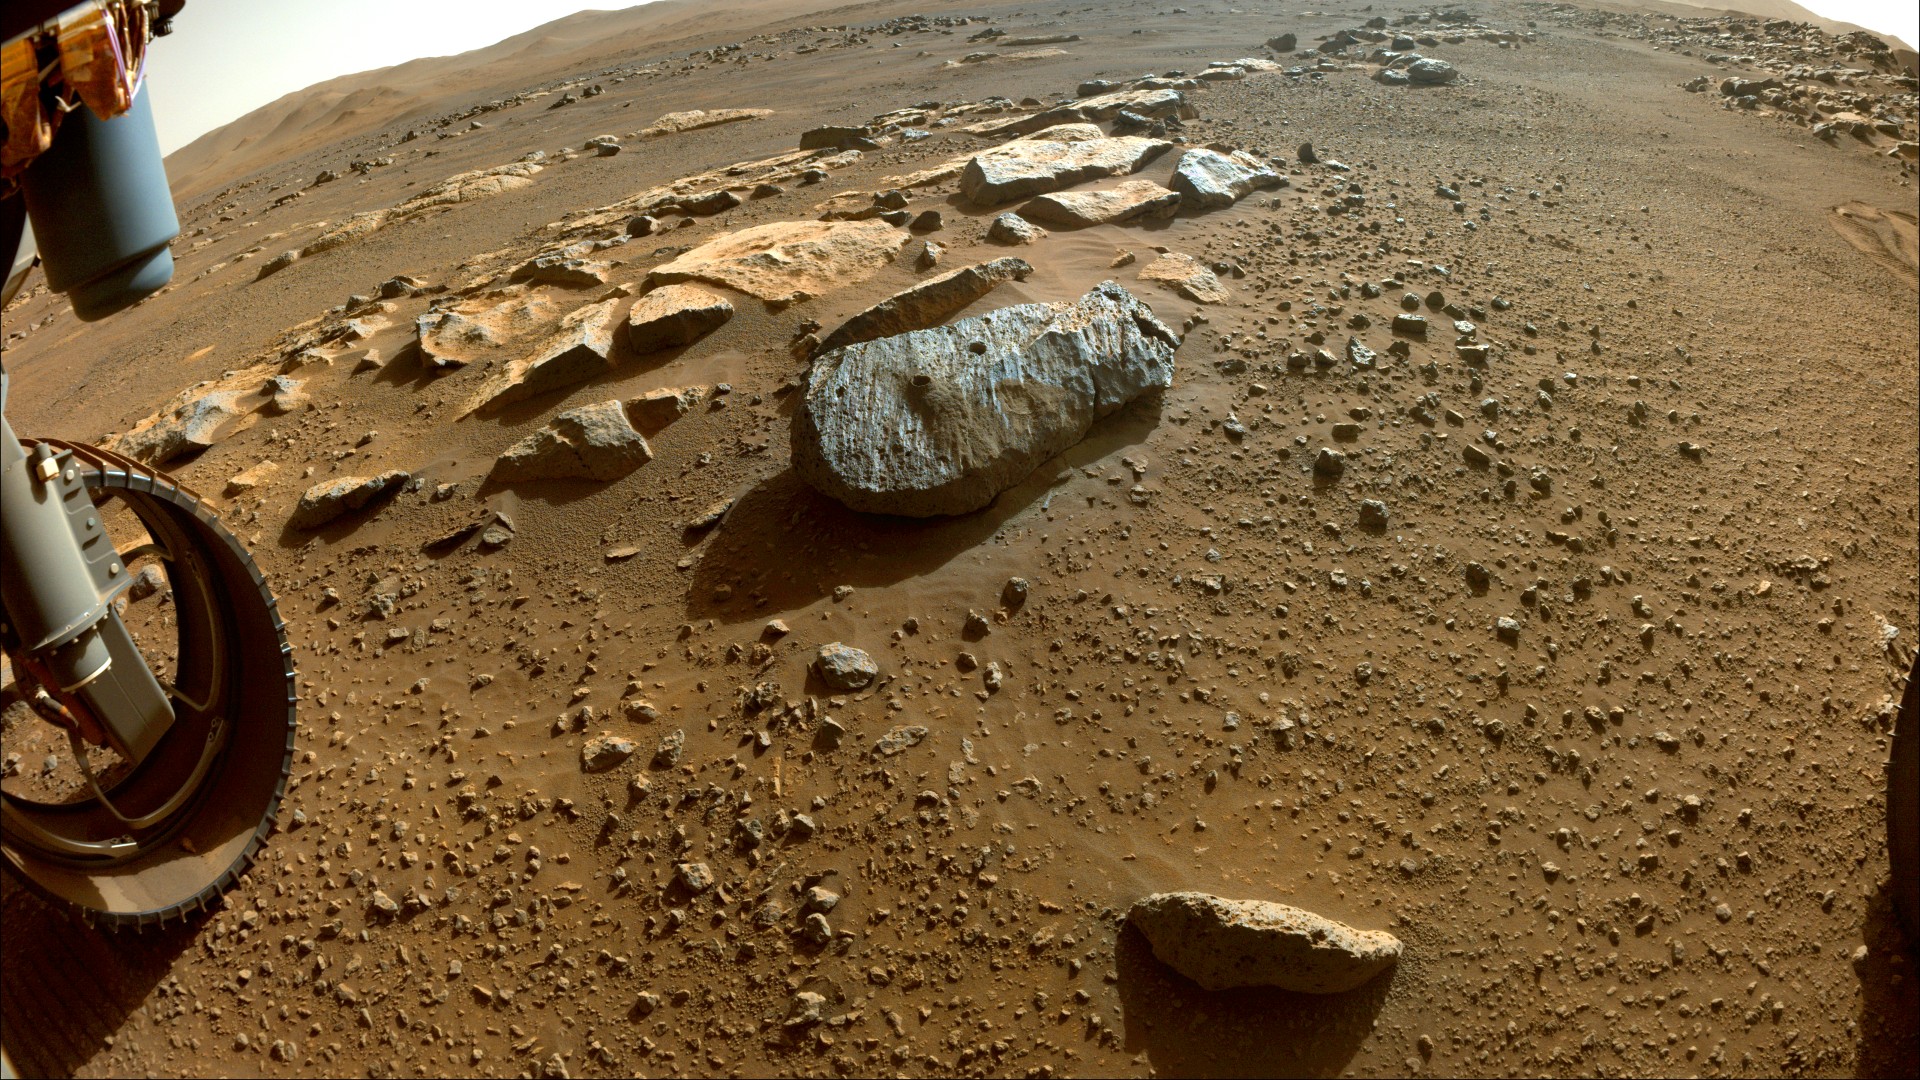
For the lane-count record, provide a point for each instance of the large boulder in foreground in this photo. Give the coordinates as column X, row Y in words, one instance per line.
column 1210, row 180
column 926, row 304
column 1027, row 167
column 592, row 442
column 940, row 421
column 1223, row 944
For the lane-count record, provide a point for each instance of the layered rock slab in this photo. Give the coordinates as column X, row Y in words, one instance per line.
column 1028, row 167
column 1131, row 199
column 786, row 261
column 675, row 315
column 927, row 304
column 940, row 421
column 1210, row 180
column 592, row 442
column 1225, row 944
column 579, row 350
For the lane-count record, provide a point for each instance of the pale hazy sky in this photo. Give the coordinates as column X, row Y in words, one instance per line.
column 229, row 57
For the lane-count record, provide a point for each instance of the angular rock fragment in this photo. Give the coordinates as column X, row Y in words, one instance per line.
column 196, row 425
column 1210, row 180
column 1225, row 944
column 284, row 394
column 656, row 409
column 578, row 351
column 929, row 303
column 940, row 421
column 1186, row 276
column 1129, row 200
column 592, row 442
column 1024, row 167
column 247, row 479
column 675, row 315
column 784, row 261
column 1427, row 71
column 843, row 667
column 456, row 335
column 603, row 752
column 328, row 500
column 1162, row 104
column 1013, row 230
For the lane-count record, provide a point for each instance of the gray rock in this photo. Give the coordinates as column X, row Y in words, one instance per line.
column 668, row 753
column 1285, row 43
column 1225, row 944
column 605, row 751
column 1427, row 71
column 927, row 304
column 940, row 421
column 694, row 877
column 836, row 137
column 591, row 442
column 1210, row 180
column 843, row 667
column 1013, row 230
column 328, row 500
column 675, row 315
column 1373, row 514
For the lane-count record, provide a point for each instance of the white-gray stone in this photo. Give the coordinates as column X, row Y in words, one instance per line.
column 326, row 501
column 843, row 667
column 1210, row 180
column 940, row 421
column 1029, row 167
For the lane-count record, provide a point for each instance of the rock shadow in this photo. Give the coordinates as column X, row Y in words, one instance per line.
column 1888, row 1042
column 784, row 545
column 1255, row 1032
column 72, row 987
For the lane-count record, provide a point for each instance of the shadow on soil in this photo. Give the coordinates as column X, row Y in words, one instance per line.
column 783, row 545
column 1256, row 1031
column 70, row 987
column 1889, row 1040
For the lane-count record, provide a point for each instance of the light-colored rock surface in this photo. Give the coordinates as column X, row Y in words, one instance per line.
column 929, row 303
column 250, row 478
column 592, row 442
column 1131, row 199
column 1028, row 167
column 922, row 424
column 196, row 424
column 843, row 667
column 1067, row 133
column 1225, row 944
column 1210, row 180
column 1186, row 275
column 576, row 352
column 675, row 315
column 785, row 260
column 459, row 334
column 1154, row 104
column 655, row 409
column 328, row 500
column 693, row 119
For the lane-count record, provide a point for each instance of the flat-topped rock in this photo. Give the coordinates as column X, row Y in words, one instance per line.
column 929, row 303
column 784, row 261
column 1028, row 167
column 328, row 500
column 940, row 421
column 579, row 350
column 1131, row 199
column 1225, row 944
column 1187, row 276
column 675, row 315
column 459, row 334
column 1210, row 180
column 1160, row 104
column 195, row 425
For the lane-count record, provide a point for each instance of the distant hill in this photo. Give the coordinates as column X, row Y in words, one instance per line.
column 354, row 104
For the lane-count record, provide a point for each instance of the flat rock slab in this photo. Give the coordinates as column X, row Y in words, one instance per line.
column 787, row 261
column 940, row 421
column 1186, row 276
column 1130, row 200
column 459, row 334
column 328, row 500
column 675, row 315
column 929, row 303
column 1155, row 104
column 1210, row 180
column 1028, row 167
column 1224, row 944
column 592, row 442
column 195, row 425
column 694, row 119
column 579, row 350
column 655, row 409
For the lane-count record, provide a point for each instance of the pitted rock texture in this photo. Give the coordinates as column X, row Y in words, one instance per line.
column 1210, row 180
column 1223, row 944
column 940, row 421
